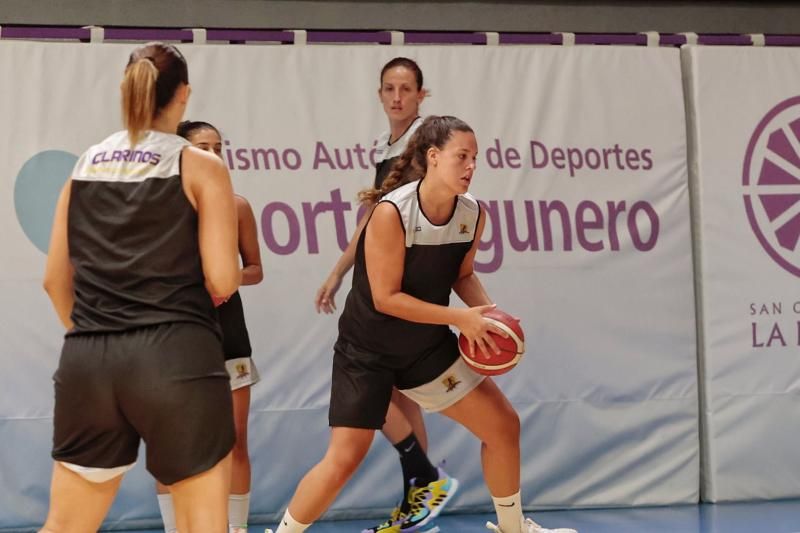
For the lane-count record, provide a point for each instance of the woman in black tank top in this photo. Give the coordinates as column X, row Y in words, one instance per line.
column 401, row 93
column 443, row 153
column 143, row 357
column 235, row 344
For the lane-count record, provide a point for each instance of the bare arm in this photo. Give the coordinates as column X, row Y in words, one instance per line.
column 208, row 187
column 249, row 249
column 58, row 282
column 325, row 298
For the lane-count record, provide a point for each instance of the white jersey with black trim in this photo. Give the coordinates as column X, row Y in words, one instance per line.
column 386, row 153
column 433, row 258
column 133, row 237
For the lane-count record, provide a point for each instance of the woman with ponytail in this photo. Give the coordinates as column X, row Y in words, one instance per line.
column 401, row 92
column 418, row 245
column 144, row 235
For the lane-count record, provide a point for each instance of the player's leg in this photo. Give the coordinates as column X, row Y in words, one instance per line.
column 320, row 486
column 239, row 499
column 488, row 414
column 361, row 389
column 403, row 419
column 243, row 375
column 76, row 503
column 93, row 444
column 201, row 500
column 177, row 395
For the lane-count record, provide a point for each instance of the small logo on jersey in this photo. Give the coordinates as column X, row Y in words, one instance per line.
column 462, row 229
column 418, row 228
column 451, row 383
column 242, row 371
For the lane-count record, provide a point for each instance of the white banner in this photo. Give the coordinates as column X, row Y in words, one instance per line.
column 745, row 107
column 582, row 170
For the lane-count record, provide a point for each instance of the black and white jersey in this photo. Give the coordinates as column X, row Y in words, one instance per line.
column 386, row 153
column 133, row 238
column 433, row 258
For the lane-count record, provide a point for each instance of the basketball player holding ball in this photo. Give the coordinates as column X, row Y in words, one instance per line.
column 418, row 245
column 144, row 234
column 235, row 344
column 401, row 93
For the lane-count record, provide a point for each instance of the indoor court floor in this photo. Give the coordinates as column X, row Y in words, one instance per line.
column 756, row 517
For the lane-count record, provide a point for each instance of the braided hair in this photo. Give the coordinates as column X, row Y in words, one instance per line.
column 412, row 164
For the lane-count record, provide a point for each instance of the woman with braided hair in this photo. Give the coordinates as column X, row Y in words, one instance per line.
column 418, row 245
column 401, row 93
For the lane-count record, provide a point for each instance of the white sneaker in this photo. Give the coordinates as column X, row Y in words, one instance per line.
column 529, row 526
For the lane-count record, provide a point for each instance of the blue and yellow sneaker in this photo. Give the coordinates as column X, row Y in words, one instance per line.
column 428, row 501
column 392, row 525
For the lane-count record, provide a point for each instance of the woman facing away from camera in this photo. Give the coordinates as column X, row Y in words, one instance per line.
column 144, row 236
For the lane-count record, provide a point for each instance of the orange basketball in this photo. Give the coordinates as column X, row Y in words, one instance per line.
column 511, row 347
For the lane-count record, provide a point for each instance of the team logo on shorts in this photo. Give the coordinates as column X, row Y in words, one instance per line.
column 451, row 383
column 462, row 229
column 242, row 371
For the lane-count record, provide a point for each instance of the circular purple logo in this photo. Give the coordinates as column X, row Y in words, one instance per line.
column 771, row 183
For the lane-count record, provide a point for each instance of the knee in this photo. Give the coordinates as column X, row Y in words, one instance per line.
column 507, row 429
column 345, row 462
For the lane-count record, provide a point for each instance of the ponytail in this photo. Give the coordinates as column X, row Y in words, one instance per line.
column 152, row 76
column 139, row 97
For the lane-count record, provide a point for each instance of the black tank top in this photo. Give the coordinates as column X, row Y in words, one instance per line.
column 433, row 258
column 133, row 238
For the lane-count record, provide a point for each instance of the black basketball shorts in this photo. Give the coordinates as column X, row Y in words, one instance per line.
column 165, row 384
column 362, row 381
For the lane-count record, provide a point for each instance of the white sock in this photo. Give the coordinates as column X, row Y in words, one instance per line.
column 509, row 512
column 238, row 509
column 167, row 512
column 290, row 525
